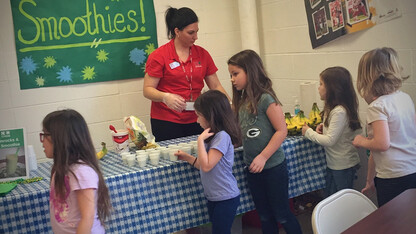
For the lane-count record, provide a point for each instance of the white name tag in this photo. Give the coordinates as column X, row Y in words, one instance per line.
column 174, row 65
column 189, row 106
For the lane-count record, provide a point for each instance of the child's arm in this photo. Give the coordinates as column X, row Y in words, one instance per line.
column 187, row 157
column 275, row 114
column 371, row 174
column 207, row 161
column 86, row 203
column 380, row 140
column 338, row 120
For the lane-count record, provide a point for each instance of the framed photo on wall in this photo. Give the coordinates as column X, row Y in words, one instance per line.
column 320, row 22
column 13, row 160
column 357, row 11
column 337, row 15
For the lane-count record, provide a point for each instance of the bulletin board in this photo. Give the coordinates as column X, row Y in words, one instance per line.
column 330, row 19
column 63, row 42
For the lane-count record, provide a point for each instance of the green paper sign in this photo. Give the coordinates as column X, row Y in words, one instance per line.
column 64, row 42
column 12, row 154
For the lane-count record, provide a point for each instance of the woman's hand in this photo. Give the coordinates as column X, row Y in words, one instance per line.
column 319, row 128
column 304, row 129
column 258, row 164
column 174, row 102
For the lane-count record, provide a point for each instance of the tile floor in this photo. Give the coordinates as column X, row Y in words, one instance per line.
column 239, row 228
column 303, row 207
column 304, row 220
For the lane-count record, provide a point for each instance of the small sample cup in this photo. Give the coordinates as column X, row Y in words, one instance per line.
column 172, row 156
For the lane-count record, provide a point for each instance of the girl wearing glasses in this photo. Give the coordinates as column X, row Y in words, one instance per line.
column 79, row 197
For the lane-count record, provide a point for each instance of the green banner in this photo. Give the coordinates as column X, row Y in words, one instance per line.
column 60, row 42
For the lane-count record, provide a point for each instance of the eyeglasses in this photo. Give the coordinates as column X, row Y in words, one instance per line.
column 42, row 136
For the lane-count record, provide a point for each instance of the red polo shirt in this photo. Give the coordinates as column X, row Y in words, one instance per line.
column 175, row 77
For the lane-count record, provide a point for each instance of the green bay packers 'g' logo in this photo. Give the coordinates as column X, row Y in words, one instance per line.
column 253, row 132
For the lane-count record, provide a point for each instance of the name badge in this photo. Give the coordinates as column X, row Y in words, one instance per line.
column 189, row 106
column 174, row 65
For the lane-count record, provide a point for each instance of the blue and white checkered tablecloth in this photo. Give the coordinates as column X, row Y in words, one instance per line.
column 306, row 165
column 156, row 199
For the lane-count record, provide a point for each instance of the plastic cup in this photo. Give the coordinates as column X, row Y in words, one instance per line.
column 156, row 150
column 187, row 149
column 194, row 149
column 154, row 153
column 182, row 144
column 124, row 157
column 173, row 146
column 160, row 149
column 172, row 156
column 141, row 151
column 141, row 161
column 154, row 158
column 164, row 153
column 33, row 164
column 143, row 154
column 130, row 160
column 150, row 149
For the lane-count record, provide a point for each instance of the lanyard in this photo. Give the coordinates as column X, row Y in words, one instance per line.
column 189, row 79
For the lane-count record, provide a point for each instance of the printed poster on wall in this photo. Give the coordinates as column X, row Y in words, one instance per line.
column 64, row 42
column 330, row 19
column 13, row 162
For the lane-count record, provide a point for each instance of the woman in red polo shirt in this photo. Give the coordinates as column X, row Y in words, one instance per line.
column 175, row 74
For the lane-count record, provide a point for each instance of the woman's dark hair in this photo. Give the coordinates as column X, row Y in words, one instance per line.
column 178, row 18
column 257, row 80
column 72, row 144
column 340, row 91
column 214, row 106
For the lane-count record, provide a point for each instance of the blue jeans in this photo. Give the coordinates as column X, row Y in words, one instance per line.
column 388, row 189
column 222, row 213
column 339, row 179
column 269, row 190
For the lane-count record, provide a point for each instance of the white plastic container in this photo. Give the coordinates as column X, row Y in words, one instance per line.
column 154, row 158
column 130, row 160
column 164, row 153
column 141, row 161
column 124, row 156
column 32, row 161
column 172, row 156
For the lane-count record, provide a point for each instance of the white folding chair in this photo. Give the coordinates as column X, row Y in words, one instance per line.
column 340, row 211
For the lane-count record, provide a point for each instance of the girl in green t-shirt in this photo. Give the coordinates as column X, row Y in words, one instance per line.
column 264, row 129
